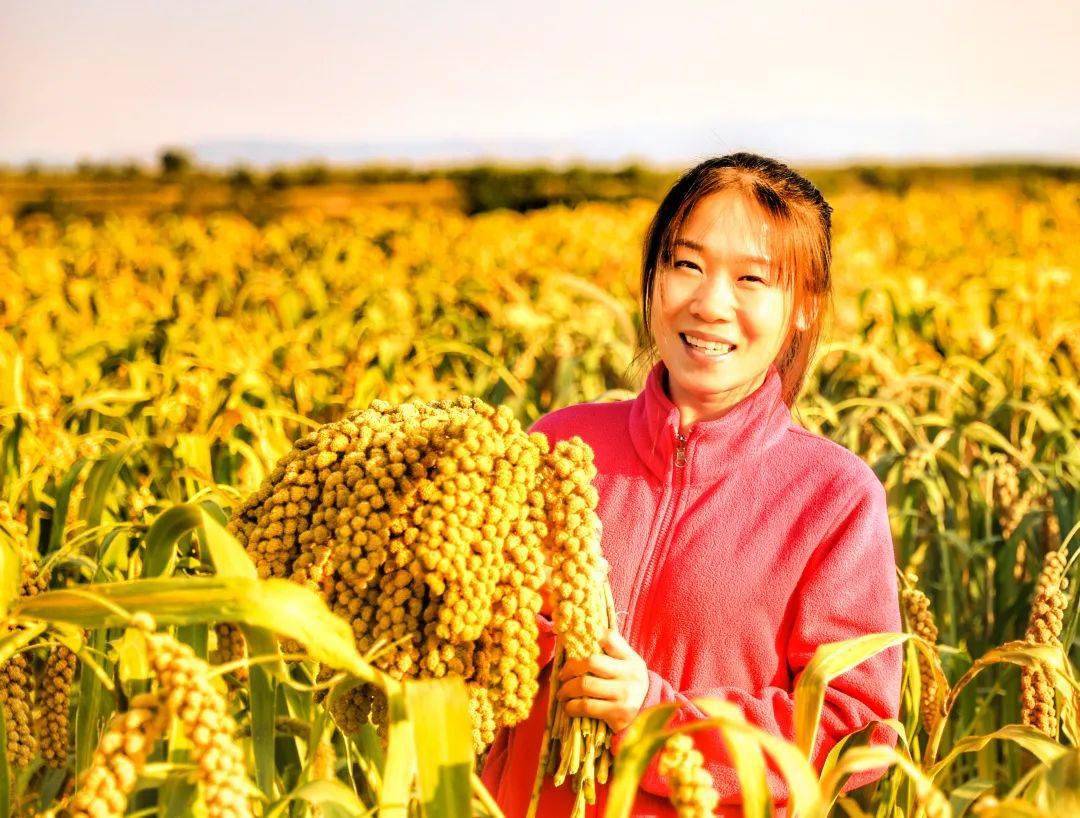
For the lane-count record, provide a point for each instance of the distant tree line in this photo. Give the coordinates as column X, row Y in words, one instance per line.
column 490, row 186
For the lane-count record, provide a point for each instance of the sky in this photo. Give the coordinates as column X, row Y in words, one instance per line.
column 601, row 81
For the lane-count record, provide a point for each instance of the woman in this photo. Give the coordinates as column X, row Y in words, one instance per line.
column 738, row 541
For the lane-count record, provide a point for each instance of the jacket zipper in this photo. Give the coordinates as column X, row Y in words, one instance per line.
column 679, row 472
column 678, row 476
column 680, row 450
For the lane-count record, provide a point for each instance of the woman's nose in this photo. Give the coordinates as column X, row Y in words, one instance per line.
column 714, row 299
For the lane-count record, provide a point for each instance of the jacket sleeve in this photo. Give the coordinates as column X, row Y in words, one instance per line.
column 847, row 589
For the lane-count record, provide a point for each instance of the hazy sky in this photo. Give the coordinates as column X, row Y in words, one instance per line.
column 662, row 80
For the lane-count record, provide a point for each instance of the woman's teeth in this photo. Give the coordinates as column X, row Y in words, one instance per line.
column 713, row 349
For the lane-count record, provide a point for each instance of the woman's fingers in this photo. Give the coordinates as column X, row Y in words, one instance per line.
column 615, row 645
column 596, row 665
column 589, row 687
column 614, row 713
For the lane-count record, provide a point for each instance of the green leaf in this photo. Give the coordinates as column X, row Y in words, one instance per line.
column 224, row 550
column 647, row 733
column 89, row 714
column 963, row 796
column 277, row 605
column 133, row 664
column 60, row 505
column 10, row 573
column 874, row 757
column 159, row 544
column 220, row 548
column 442, row 730
column 829, row 661
column 805, row 795
column 400, row 769
column 334, row 799
column 746, row 758
column 100, row 481
column 15, row 640
column 177, row 794
column 1057, row 788
column 859, row 738
column 1049, row 658
column 261, row 643
column 1034, row 741
column 262, row 691
column 642, row 739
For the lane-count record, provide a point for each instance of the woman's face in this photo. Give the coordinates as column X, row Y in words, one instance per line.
column 721, row 287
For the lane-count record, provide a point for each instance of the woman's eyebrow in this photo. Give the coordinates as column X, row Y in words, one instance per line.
column 693, row 245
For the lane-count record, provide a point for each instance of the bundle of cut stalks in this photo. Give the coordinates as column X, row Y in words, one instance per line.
column 573, row 746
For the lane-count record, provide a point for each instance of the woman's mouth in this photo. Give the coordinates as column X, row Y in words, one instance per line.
column 705, row 350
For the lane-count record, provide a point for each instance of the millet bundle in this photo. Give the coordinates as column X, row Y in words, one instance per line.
column 575, row 746
column 428, row 526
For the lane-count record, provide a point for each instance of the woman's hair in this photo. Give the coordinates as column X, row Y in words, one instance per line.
column 801, row 246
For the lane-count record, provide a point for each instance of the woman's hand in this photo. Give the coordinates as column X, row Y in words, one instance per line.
column 610, row 686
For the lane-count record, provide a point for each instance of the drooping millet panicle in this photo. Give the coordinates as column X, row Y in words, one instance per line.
column 189, row 695
column 364, row 704
column 1004, row 492
column 1004, row 489
column 15, row 674
column 120, row 756
column 916, row 462
column 1038, row 707
column 15, row 686
column 230, row 648
column 691, row 787
column 1012, row 516
column 921, row 622
column 576, row 568
column 54, row 700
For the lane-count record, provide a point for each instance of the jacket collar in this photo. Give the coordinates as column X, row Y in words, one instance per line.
column 713, row 447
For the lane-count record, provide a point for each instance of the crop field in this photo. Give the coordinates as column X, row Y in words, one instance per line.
column 156, row 370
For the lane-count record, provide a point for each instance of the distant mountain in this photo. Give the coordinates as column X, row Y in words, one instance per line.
column 264, row 152
column 795, row 140
column 804, row 140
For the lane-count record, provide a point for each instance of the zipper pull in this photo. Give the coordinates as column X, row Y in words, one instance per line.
column 680, row 450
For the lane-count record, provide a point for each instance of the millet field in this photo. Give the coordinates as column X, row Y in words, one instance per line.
column 272, row 528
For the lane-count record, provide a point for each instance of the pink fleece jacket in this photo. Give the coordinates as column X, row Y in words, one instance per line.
column 734, row 556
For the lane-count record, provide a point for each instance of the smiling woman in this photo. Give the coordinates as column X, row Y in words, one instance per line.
column 722, row 313
column 739, row 246
column 738, row 542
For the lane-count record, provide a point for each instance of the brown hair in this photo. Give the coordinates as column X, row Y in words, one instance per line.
column 802, row 246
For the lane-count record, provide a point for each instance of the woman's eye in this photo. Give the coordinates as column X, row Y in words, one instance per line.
column 755, row 278
column 688, row 264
